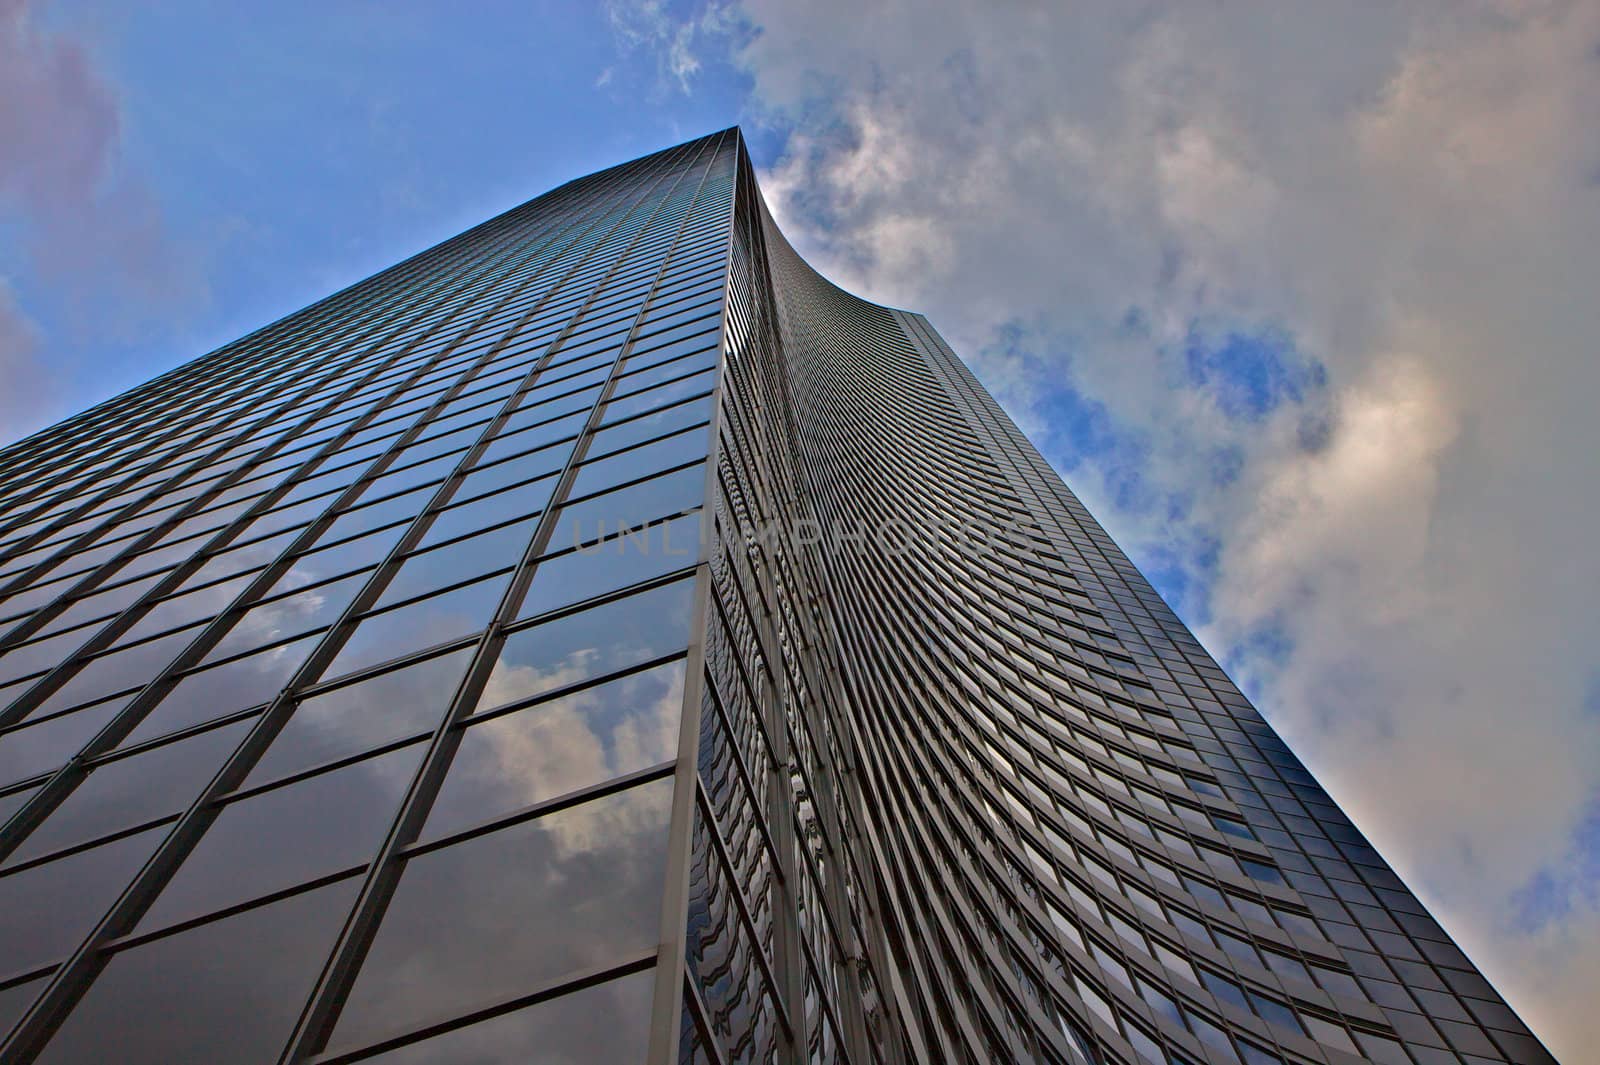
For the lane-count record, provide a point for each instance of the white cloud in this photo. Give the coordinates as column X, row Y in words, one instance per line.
column 654, row 27
column 1411, row 196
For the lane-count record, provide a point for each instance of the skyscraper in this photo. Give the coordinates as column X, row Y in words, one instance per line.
column 600, row 638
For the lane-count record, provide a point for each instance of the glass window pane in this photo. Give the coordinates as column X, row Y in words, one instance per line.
column 590, row 643
column 609, row 1022
column 357, row 553
column 221, row 690
column 643, row 461
column 613, row 564
column 542, row 463
column 116, row 671
column 132, row 790
column 190, row 607
column 360, row 716
column 496, row 916
column 616, row 437
column 512, row 442
column 30, row 659
column 559, row 746
column 46, row 911
column 15, row 1000
column 396, row 633
column 229, row 990
column 525, row 501
column 630, row 403
column 38, row 748
column 463, row 560
column 287, row 836
column 629, row 508
column 290, row 615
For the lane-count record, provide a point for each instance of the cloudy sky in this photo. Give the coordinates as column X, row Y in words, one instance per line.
column 1300, row 298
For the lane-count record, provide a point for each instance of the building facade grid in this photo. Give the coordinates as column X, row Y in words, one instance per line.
column 598, row 638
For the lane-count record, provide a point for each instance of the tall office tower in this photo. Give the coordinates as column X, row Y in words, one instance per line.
column 601, row 639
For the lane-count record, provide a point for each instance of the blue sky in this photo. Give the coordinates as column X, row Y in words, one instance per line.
column 1300, row 306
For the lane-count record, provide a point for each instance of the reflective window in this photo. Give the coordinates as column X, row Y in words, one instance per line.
column 627, row 404
column 229, row 990
column 526, row 501
column 542, row 463
column 675, row 450
column 130, row 791
column 44, row 654
column 360, row 716
column 590, row 643
column 15, row 1000
column 613, row 564
column 46, row 911
column 287, row 616
column 396, row 633
column 616, row 436
column 555, row 747
column 221, row 690
column 188, row 608
column 287, row 836
column 357, row 553
column 637, row 505
column 38, row 748
column 494, row 916
column 120, row 670
column 609, row 1022
column 461, row 561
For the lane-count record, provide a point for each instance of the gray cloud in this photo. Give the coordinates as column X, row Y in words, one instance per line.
column 1410, row 197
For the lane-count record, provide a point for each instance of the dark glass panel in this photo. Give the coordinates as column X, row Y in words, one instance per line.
column 498, row 915
column 15, row 1000
column 629, row 403
column 115, row 671
column 46, row 911
column 618, row 436
column 226, row 991
column 367, row 714
column 607, row 1023
column 287, row 836
column 597, row 475
column 377, row 515
column 11, row 802
column 523, row 501
column 220, row 690
column 247, row 557
column 541, row 463
column 132, row 790
column 45, row 654
column 556, row 747
column 590, row 643
column 187, row 608
column 101, row 604
column 463, row 560
column 396, row 633
column 290, row 615
column 613, row 564
column 539, row 408
column 667, row 371
column 628, row 508
column 357, row 553
column 37, row 748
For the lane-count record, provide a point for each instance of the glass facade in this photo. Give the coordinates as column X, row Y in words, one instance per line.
column 599, row 638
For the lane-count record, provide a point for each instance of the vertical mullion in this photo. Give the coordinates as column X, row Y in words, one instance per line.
column 73, row 977
column 322, row 1008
